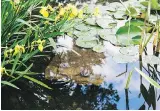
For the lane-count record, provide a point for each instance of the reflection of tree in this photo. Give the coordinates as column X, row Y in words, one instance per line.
column 32, row 96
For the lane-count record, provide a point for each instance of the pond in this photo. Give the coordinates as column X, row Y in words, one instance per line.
column 88, row 79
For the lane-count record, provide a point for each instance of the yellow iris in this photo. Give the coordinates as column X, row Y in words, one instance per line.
column 96, row 11
column 61, row 12
column 40, row 44
column 6, row 52
column 3, row 70
column 50, row 8
column 18, row 49
column 44, row 12
column 80, row 14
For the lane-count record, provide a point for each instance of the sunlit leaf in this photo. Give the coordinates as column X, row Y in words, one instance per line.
column 9, row 84
column 37, row 81
column 151, row 81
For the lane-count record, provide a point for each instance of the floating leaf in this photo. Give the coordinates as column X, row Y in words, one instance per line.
column 91, row 33
column 120, row 58
column 90, row 21
column 131, row 11
column 126, row 33
column 98, row 48
column 135, row 23
column 151, row 59
column 104, row 23
column 154, row 4
column 86, row 44
column 130, row 50
column 119, row 15
column 82, row 27
column 151, row 81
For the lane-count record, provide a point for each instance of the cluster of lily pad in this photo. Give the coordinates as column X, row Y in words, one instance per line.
column 120, row 23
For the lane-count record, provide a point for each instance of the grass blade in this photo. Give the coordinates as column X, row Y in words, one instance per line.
column 128, row 80
column 37, row 81
column 9, row 84
column 151, row 81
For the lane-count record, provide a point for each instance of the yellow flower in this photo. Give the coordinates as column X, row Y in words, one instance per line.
column 3, row 70
column 44, row 12
column 80, row 14
column 6, row 52
column 61, row 12
column 57, row 18
column 40, row 44
column 18, row 49
column 60, row 4
column 96, row 11
column 40, row 47
column 50, row 8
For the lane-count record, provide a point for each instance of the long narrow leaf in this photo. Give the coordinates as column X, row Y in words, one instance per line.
column 37, row 81
column 26, row 23
column 128, row 80
column 9, row 84
column 151, row 81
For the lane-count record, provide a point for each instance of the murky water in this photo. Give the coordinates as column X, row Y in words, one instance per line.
column 73, row 95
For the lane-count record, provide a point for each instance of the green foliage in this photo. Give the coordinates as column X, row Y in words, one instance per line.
column 24, row 34
column 151, row 81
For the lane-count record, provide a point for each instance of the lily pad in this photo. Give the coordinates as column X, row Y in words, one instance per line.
column 99, row 48
column 104, row 23
column 86, row 44
column 90, row 21
column 131, row 50
column 82, row 27
column 119, row 15
column 124, row 35
column 151, row 59
column 120, row 58
column 90, row 33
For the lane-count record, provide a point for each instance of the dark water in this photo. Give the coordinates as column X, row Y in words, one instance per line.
column 111, row 94
column 69, row 95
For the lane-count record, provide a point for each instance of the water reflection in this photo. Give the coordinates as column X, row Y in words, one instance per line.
column 64, row 96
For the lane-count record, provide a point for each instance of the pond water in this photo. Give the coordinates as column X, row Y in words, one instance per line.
column 86, row 92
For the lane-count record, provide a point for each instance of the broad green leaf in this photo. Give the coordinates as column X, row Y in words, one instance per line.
column 82, row 27
column 135, row 23
column 151, row 59
column 9, row 84
column 86, row 44
column 151, row 81
column 104, row 22
column 98, row 48
column 120, row 58
column 90, row 21
column 131, row 11
column 126, row 33
column 130, row 50
column 129, row 79
column 154, row 4
column 37, row 81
